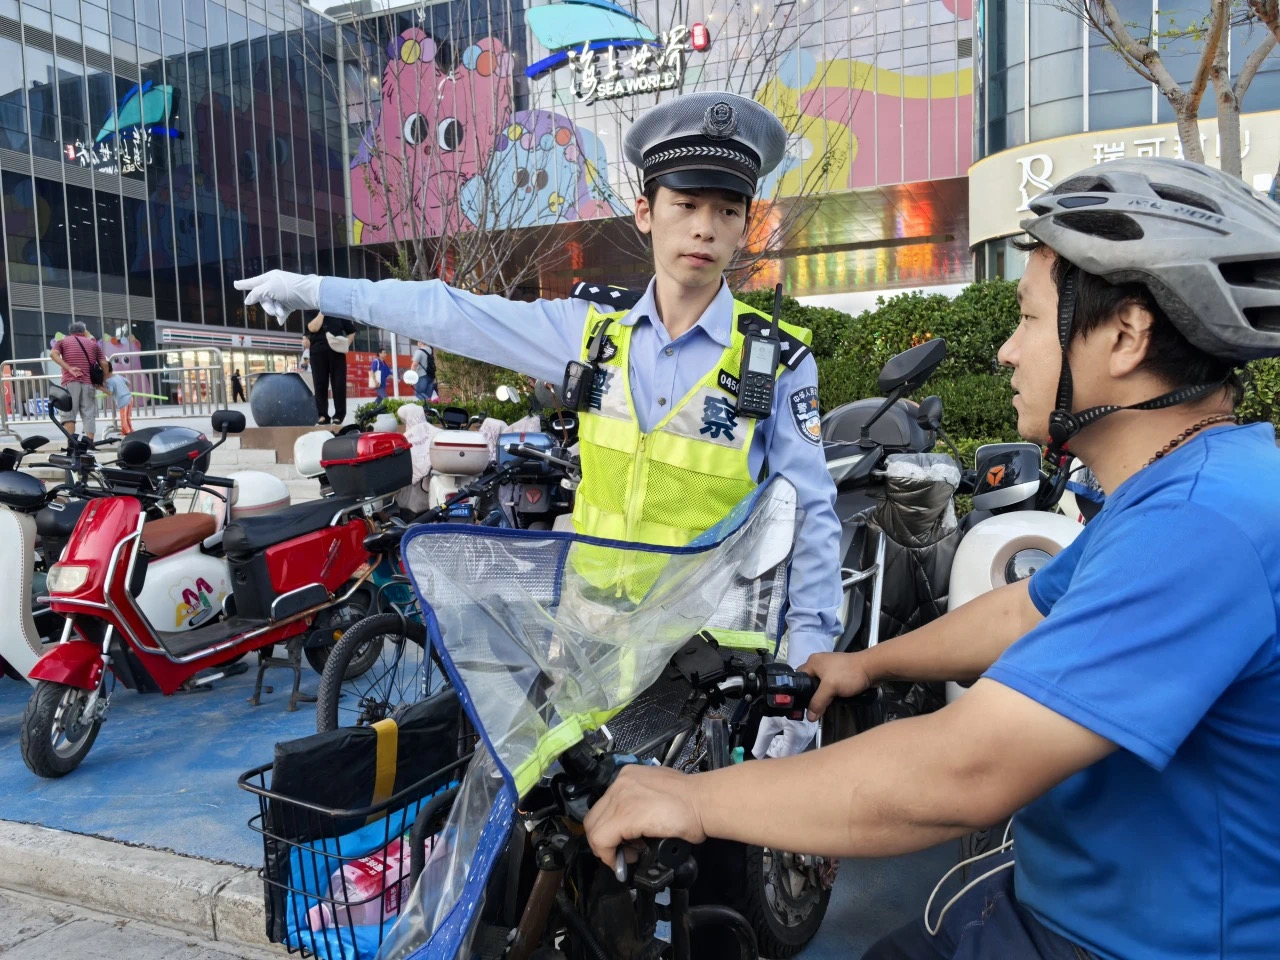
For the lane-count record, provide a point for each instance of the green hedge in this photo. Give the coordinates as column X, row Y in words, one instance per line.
column 976, row 399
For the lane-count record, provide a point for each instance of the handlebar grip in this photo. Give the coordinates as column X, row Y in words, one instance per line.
column 224, row 482
column 805, row 687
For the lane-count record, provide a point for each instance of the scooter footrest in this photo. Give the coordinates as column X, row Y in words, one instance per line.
column 186, row 642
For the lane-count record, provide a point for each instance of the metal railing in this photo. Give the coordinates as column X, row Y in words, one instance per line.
column 160, row 392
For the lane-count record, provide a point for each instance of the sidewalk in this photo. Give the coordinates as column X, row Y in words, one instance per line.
column 32, row 928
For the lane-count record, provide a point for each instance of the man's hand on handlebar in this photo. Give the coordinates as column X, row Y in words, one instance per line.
column 643, row 802
column 839, row 675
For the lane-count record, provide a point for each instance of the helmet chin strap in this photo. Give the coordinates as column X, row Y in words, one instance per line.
column 1063, row 424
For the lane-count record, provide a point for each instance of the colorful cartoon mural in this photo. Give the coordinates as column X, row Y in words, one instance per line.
column 552, row 170
column 907, row 124
column 441, row 126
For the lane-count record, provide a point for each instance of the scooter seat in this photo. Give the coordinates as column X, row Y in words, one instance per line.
column 168, row 535
column 245, row 537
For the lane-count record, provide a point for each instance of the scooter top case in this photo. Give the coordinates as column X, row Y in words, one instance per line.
column 459, row 453
column 173, row 446
column 365, row 465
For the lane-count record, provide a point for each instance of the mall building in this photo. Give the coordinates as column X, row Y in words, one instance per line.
column 154, row 151
column 1054, row 99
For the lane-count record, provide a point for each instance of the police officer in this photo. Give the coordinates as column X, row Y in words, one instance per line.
column 666, row 450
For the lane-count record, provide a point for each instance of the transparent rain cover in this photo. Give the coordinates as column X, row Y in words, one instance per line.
column 540, row 652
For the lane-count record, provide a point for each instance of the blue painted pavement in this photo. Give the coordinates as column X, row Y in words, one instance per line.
column 163, row 774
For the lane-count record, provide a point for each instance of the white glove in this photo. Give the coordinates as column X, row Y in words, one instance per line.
column 280, row 293
column 780, row 737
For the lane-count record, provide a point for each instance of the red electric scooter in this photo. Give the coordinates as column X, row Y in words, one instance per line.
column 283, row 571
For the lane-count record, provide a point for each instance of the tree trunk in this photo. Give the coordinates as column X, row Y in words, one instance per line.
column 1229, row 134
column 1228, row 114
column 1189, row 134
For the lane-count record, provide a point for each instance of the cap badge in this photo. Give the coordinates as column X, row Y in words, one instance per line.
column 719, row 122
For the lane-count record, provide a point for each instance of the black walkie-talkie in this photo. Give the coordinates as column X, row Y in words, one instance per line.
column 761, row 353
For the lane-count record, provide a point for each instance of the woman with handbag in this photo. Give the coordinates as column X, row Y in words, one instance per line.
column 330, row 339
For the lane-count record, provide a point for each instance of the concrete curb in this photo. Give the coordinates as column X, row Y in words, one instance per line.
column 213, row 900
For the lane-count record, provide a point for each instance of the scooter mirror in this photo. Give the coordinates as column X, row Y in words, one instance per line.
column 59, row 399
column 134, row 453
column 228, row 421
column 929, row 416
column 910, row 369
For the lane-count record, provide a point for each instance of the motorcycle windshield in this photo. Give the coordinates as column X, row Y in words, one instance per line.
column 546, row 636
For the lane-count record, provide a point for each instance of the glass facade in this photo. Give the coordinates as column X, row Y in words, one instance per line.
column 1045, row 74
column 876, row 95
column 152, row 152
column 1042, row 73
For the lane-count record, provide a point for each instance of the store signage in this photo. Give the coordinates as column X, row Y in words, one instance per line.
column 609, row 74
column 1002, row 186
column 123, row 145
column 125, row 155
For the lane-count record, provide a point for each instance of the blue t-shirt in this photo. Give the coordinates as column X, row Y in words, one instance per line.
column 1160, row 635
column 382, row 369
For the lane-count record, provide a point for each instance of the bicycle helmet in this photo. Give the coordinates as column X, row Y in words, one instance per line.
column 1204, row 244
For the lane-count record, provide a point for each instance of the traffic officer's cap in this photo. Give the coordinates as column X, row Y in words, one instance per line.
column 706, row 141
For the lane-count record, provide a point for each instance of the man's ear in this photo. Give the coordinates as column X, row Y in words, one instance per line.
column 1130, row 336
column 644, row 215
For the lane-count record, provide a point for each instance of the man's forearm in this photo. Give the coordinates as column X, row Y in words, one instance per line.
column 847, row 799
column 960, row 645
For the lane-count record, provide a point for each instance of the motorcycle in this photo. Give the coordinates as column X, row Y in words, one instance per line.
column 406, row 675
column 541, row 497
column 895, row 502
column 259, row 581
column 40, row 520
column 900, row 537
column 564, row 683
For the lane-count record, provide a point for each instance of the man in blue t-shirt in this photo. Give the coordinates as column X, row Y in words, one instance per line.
column 1130, row 691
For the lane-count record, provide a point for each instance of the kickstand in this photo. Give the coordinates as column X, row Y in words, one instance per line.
column 293, row 661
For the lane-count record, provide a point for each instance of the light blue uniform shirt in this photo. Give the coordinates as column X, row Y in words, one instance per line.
column 539, row 338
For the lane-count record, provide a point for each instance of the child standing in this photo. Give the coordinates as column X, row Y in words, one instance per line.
column 118, row 387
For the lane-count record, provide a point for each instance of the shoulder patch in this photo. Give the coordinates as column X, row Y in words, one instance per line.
column 794, row 350
column 618, row 298
column 804, row 411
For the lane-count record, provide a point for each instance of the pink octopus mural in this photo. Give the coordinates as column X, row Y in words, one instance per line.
column 435, row 131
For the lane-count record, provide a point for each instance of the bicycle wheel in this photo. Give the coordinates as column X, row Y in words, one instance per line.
column 405, row 672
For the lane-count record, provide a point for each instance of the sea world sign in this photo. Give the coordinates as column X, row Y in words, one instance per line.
column 609, row 51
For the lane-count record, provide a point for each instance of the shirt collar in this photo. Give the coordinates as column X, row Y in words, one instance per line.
column 716, row 321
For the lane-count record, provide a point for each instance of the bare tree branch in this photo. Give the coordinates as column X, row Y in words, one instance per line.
column 1268, row 11
column 1214, row 48
column 1252, row 64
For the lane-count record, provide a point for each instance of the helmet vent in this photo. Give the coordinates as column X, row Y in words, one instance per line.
column 1185, row 197
column 1252, row 273
column 1263, row 319
column 1086, row 184
column 1105, row 225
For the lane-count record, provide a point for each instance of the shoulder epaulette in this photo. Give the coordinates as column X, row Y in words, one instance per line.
column 794, row 350
column 619, row 298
